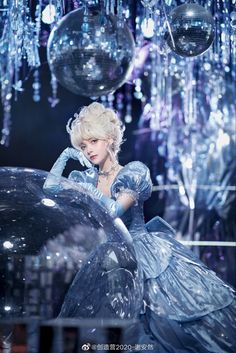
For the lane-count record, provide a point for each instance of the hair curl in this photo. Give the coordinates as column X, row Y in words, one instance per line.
column 96, row 121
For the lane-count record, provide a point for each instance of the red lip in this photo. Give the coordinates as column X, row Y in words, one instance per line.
column 93, row 157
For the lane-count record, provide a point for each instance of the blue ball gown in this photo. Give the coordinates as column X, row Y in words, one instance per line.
column 185, row 306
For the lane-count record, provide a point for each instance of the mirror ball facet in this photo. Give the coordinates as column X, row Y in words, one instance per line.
column 91, row 54
column 192, row 28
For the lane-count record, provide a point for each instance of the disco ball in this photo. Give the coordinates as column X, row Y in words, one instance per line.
column 46, row 238
column 192, row 28
column 89, row 53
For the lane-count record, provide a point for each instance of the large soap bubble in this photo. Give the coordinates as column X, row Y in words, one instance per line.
column 192, row 29
column 47, row 238
column 90, row 53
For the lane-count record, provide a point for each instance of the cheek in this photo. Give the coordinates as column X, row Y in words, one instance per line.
column 106, row 144
column 105, row 148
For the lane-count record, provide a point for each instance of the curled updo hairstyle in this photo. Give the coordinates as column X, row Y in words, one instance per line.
column 96, row 121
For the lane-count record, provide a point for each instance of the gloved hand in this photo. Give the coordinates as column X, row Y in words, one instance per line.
column 114, row 208
column 72, row 153
column 53, row 178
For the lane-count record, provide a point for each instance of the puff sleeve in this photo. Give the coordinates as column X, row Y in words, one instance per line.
column 133, row 179
column 87, row 176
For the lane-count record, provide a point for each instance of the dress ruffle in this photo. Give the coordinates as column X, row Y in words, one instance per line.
column 177, row 284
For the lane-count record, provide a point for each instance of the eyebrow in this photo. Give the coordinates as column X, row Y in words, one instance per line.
column 88, row 140
column 83, row 143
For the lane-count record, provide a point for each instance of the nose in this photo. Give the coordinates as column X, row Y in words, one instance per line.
column 89, row 150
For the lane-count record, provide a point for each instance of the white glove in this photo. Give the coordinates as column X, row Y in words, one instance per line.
column 53, row 178
column 72, row 153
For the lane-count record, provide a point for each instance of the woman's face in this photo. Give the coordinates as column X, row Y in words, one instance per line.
column 95, row 150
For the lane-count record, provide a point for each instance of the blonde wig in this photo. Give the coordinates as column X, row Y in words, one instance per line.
column 96, row 121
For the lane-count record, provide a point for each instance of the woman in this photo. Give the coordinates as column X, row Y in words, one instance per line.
column 187, row 308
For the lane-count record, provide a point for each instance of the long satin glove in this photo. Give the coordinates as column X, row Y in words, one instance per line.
column 114, row 208
column 53, row 179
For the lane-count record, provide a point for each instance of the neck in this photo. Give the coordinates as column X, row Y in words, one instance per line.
column 107, row 167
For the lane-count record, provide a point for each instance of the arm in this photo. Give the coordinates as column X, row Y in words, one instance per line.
column 53, row 179
column 116, row 208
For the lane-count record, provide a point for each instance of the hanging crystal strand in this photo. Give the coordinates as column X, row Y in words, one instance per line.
column 128, row 104
column 154, row 122
column 60, row 10
column 233, row 45
column 225, row 34
column 54, row 100
column 209, row 3
column 188, row 94
column 217, row 41
column 139, row 38
column 147, row 14
column 163, row 27
column 38, row 16
column 138, row 88
column 127, row 14
column 119, row 103
column 119, row 9
column 208, row 56
column 141, row 56
column 165, row 93
column 29, row 40
column 107, row 7
column 6, row 70
column 120, row 13
column 18, row 42
column 104, row 100
column 16, row 76
column 168, row 91
column 110, row 100
column 36, row 86
column 188, row 158
column 111, row 4
column 195, row 99
column 154, row 116
column 6, row 99
column 8, row 64
column 157, row 76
